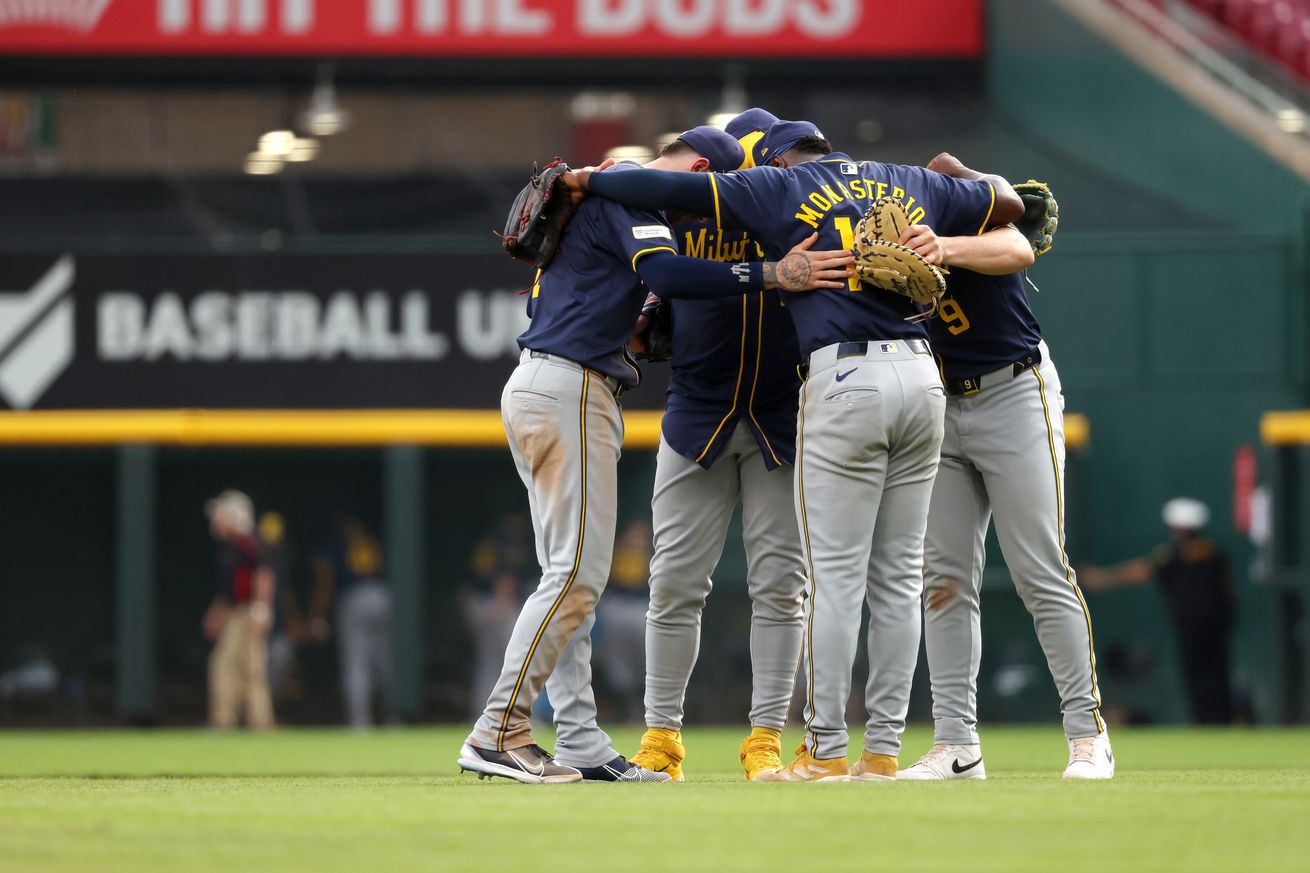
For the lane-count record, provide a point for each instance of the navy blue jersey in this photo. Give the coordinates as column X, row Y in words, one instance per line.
column 984, row 323
column 829, row 195
column 734, row 361
column 585, row 304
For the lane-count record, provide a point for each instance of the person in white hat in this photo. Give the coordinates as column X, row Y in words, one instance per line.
column 1193, row 576
column 239, row 617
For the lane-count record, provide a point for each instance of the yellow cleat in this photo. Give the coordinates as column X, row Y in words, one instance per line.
column 661, row 751
column 810, row 769
column 875, row 768
column 761, row 753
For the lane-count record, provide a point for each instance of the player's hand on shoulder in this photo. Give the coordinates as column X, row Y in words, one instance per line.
column 575, row 181
column 923, row 240
column 803, row 269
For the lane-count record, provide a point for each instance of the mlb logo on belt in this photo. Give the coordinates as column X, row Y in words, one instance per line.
column 888, row 348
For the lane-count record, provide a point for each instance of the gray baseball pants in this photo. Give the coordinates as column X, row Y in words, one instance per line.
column 579, row 741
column 565, row 429
column 870, row 432
column 691, row 509
column 1003, row 455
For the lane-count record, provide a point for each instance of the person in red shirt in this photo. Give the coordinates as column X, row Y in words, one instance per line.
column 239, row 617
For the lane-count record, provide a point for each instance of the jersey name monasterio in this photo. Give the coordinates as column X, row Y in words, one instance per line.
column 829, row 195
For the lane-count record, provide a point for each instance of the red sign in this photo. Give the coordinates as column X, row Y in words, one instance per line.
column 1244, row 483
column 815, row 29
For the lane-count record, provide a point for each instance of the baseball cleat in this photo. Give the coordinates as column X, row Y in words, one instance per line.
column 1090, row 758
column 529, row 764
column 661, row 752
column 947, row 761
column 761, row 753
column 874, row 768
column 622, row 770
column 807, row 768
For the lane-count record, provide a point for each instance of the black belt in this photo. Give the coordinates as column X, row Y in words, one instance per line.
column 846, row 350
column 974, row 384
column 617, row 388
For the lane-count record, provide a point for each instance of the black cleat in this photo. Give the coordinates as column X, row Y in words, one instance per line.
column 530, row 764
column 622, row 770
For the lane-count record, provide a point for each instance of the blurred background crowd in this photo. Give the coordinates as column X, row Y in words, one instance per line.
column 234, row 229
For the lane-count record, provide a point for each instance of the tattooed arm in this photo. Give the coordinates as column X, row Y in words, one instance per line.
column 670, row 275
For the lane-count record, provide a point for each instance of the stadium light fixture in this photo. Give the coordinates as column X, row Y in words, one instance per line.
column 324, row 117
column 277, row 143
column 665, row 139
column 1292, row 120
column 303, row 149
column 638, row 153
column 262, row 164
column 732, row 97
column 591, row 105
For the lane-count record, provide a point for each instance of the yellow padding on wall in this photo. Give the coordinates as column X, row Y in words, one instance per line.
column 470, row 428
column 1285, row 428
column 1077, row 431
column 281, row 427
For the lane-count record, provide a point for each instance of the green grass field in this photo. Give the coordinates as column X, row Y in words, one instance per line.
column 322, row 800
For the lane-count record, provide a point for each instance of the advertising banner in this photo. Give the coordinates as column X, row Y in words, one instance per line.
column 815, row 29
column 268, row 331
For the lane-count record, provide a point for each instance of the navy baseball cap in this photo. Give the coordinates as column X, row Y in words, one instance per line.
column 781, row 138
column 748, row 128
column 723, row 152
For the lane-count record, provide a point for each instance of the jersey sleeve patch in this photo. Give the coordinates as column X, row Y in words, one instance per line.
column 652, row 231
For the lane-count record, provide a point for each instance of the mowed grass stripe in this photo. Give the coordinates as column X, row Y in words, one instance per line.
column 294, row 800
column 711, row 750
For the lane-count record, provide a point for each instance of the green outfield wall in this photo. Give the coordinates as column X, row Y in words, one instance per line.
column 1173, row 338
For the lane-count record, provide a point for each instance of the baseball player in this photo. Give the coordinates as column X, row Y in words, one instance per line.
column 1002, row 456
column 871, row 411
column 564, row 425
column 729, row 435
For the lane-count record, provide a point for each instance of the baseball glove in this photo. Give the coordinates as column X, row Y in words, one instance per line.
column 1041, row 214
column 538, row 217
column 885, row 263
column 658, row 334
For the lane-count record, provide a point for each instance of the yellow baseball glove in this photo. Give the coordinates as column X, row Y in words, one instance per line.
column 881, row 261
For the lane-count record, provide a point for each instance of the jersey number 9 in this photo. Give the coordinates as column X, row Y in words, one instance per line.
column 951, row 313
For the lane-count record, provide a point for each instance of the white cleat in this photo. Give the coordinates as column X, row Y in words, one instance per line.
column 947, row 761
column 1090, row 758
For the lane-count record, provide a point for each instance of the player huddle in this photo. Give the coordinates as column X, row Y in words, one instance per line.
column 869, row 440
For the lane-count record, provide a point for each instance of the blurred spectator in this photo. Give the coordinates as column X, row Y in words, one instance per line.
column 287, row 622
column 35, row 674
column 239, row 617
column 503, row 569
column 1193, row 575
column 621, row 619
column 349, row 568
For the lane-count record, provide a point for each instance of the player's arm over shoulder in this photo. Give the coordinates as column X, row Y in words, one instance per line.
column 1006, row 207
column 998, row 252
